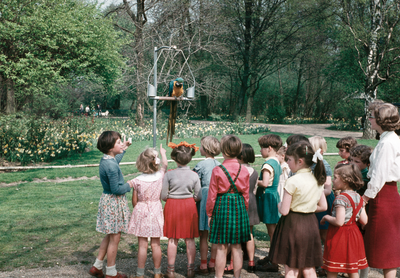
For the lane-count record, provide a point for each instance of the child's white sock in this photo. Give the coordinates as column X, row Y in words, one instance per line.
column 157, row 270
column 98, row 264
column 111, row 271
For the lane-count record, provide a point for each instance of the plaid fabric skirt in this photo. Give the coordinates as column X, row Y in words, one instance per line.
column 230, row 221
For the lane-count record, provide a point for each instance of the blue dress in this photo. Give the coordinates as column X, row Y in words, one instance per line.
column 268, row 198
column 204, row 170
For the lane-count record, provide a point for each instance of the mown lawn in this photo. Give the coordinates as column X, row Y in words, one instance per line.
column 48, row 223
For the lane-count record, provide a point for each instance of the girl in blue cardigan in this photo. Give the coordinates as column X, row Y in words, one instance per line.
column 113, row 213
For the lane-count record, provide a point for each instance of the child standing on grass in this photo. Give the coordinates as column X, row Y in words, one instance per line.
column 296, row 242
column 227, row 202
column 181, row 188
column 344, row 247
column 247, row 156
column 267, row 192
column 209, row 148
column 344, row 145
column 113, row 213
column 147, row 216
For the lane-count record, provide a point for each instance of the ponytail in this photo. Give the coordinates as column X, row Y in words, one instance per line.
column 304, row 150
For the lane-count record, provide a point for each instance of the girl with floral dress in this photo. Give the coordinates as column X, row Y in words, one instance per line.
column 113, row 213
column 147, row 216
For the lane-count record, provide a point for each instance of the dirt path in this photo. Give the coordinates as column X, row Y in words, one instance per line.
column 314, row 129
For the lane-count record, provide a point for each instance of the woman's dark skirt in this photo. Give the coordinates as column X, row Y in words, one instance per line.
column 296, row 242
column 230, row 221
column 382, row 232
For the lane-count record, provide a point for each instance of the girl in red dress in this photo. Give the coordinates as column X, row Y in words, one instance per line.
column 344, row 247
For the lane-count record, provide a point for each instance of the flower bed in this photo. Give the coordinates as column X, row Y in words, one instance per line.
column 29, row 140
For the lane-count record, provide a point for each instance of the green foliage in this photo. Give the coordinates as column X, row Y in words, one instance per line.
column 346, row 125
column 276, row 114
column 27, row 139
column 46, row 43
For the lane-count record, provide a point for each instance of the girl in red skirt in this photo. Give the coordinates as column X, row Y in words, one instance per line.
column 181, row 188
column 383, row 229
column 344, row 246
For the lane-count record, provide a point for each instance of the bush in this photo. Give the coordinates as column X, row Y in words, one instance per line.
column 28, row 139
column 353, row 125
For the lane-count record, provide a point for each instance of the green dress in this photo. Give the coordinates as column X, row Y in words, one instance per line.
column 268, row 198
column 229, row 221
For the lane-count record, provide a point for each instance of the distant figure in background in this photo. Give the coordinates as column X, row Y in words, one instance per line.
column 81, row 109
column 87, row 110
column 98, row 110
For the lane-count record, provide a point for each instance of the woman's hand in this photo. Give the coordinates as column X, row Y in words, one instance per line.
column 323, row 220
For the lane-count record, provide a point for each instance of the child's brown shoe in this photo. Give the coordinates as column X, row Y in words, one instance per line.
column 98, row 273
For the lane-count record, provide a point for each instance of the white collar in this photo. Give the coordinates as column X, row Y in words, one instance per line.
column 149, row 177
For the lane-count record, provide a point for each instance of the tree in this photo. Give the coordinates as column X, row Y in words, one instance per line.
column 374, row 25
column 47, row 43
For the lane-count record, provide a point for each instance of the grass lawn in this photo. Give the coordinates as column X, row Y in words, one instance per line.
column 48, row 223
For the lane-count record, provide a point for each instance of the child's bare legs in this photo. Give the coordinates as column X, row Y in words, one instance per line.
column 250, row 246
column 237, row 257
column 271, row 230
column 109, row 246
column 156, row 249
column 220, row 259
column 291, row 272
column 142, row 253
column 190, row 250
column 309, row 272
column 203, row 247
column 171, row 250
column 331, row 274
column 389, row 273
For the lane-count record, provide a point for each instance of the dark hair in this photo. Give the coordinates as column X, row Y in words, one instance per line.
column 362, row 152
column 182, row 155
column 350, row 174
column 295, row 138
column 346, row 143
column 304, row 150
column 270, row 140
column 231, row 145
column 247, row 154
column 107, row 141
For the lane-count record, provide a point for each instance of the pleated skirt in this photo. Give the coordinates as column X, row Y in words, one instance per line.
column 296, row 242
column 181, row 219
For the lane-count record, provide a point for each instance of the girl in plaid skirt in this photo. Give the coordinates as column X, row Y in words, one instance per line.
column 227, row 204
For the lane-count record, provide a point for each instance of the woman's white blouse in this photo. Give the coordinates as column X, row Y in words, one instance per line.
column 385, row 163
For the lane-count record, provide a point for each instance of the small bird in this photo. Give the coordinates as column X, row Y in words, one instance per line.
column 175, row 90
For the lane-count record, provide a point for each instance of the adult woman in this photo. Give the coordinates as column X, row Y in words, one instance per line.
column 383, row 226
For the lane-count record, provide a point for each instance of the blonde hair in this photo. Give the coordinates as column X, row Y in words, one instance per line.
column 210, row 145
column 318, row 142
column 146, row 161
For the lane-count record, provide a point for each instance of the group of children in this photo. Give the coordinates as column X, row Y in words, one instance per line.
column 220, row 203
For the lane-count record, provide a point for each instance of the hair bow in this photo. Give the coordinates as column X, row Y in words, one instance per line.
column 285, row 145
column 317, row 155
column 157, row 160
column 184, row 143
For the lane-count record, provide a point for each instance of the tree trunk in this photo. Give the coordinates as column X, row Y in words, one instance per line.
column 140, row 87
column 250, row 98
column 10, row 106
column 371, row 72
